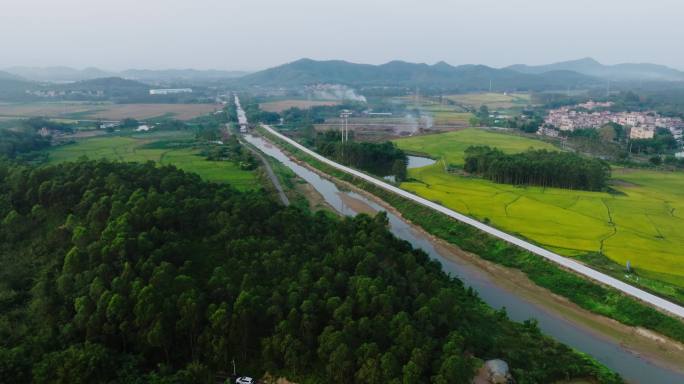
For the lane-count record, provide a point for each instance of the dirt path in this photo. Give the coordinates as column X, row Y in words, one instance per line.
column 269, row 171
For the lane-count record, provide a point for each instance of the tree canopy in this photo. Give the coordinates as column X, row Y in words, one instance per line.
column 538, row 167
column 129, row 272
column 382, row 159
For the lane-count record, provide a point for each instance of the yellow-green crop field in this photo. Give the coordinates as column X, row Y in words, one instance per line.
column 133, row 148
column 644, row 223
column 446, row 115
column 493, row 100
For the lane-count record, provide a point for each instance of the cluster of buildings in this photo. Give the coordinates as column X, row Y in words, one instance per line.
column 170, row 91
column 47, row 93
column 642, row 125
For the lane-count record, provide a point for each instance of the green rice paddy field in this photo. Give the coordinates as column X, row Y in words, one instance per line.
column 643, row 223
column 152, row 146
column 493, row 100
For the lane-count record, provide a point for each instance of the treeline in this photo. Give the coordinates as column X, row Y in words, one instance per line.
column 36, row 123
column 17, row 143
column 231, row 150
column 538, row 167
column 21, row 140
column 382, row 159
column 256, row 115
column 662, row 142
column 124, row 272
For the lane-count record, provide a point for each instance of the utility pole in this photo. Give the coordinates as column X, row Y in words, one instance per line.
column 345, row 124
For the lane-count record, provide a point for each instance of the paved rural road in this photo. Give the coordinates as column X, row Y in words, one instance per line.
column 242, row 119
column 582, row 269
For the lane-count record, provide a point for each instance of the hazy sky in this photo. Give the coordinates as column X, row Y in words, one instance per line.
column 254, row 34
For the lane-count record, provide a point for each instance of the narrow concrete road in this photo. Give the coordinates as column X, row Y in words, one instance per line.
column 242, row 119
column 655, row 301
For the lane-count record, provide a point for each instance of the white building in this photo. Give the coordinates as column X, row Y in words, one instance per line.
column 108, row 125
column 170, row 91
column 641, row 132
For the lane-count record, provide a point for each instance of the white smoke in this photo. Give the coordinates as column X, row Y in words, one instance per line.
column 335, row 92
column 426, row 121
column 410, row 125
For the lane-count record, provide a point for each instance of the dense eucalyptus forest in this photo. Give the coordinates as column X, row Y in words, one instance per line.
column 538, row 167
column 134, row 273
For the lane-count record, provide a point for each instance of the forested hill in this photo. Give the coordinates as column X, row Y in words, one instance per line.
column 402, row 74
column 591, row 67
column 131, row 273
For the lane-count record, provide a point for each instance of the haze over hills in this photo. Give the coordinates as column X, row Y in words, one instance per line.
column 577, row 74
column 470, row 77
column 105, row 83
column 12, row 86
column 57, row 74
column 180, row 74
column 400, row 73
column 591, row 67
column 9, row 76
column 66, row 74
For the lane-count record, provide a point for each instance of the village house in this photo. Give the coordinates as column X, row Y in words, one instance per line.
column 642, row 125
column 641, row 132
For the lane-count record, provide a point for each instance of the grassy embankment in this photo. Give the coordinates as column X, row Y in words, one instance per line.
column 638, row 224
column 167, row 148
column 588, row 295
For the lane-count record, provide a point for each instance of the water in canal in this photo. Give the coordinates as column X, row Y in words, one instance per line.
column 632, row 367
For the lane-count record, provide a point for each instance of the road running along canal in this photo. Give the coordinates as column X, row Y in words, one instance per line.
column 632, row 367
column 565, row 262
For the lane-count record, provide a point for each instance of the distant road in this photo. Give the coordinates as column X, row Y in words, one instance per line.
column 242, row 119
column 565, row 262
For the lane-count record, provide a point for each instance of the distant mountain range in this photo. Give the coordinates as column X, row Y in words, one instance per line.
column 400, row 73
column 619, row 72
column 68, row 74
column 10, row 76
column 57, row 74
column 180, row 74
column 576, row 74
column 106, row 83
column 111, row 88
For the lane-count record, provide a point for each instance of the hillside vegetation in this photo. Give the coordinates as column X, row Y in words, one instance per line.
column 114, row 272
column 402, row 74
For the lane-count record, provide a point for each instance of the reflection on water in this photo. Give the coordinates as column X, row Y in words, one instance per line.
column 614, row 356
column 419, row 161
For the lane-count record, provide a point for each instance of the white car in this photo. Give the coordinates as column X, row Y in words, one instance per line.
column 244, row 380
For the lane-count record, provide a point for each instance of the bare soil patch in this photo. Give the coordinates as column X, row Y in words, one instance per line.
column 279, row 106
column 106, row 111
